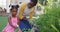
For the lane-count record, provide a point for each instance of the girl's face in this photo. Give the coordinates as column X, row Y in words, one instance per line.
column 14, row 12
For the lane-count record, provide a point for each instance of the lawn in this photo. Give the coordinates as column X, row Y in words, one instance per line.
column 3, row 22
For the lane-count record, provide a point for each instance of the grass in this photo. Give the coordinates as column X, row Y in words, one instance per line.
column 3, row 22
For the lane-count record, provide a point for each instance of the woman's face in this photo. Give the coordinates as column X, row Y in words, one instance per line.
column 31, row 4
column 14, row 12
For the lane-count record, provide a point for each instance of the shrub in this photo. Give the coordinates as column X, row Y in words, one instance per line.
column 50, row 21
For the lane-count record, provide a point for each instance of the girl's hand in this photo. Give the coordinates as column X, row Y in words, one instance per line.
column 17, row 25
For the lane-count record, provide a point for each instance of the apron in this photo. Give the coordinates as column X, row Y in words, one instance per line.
column 25, row 25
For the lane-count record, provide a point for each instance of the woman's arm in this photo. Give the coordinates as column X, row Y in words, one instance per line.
column 22, row 7
column 31, row 14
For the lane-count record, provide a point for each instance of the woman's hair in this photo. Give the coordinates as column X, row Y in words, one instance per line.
column 34, row 1
column 14, row 7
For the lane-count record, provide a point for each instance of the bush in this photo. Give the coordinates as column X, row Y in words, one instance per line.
column 50, row 21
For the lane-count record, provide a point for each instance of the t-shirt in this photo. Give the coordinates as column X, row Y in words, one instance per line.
column 27, row 11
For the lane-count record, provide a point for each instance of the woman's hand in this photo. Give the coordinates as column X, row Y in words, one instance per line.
column 25, row 18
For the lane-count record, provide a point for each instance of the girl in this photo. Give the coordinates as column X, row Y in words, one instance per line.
column 26, row 9
column 12, row 20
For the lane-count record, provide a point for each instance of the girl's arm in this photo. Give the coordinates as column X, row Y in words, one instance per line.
column 10, row 22
column 18, row 20
column 22, row 7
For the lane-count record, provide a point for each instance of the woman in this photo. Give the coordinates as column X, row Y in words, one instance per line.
column 26, row 9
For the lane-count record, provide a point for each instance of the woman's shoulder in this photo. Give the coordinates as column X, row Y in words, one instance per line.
column 24, row 4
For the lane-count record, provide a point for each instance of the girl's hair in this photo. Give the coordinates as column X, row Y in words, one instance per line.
column 14, row 7
column 34, row 1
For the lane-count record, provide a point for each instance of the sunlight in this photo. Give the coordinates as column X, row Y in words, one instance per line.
column 3, row 3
